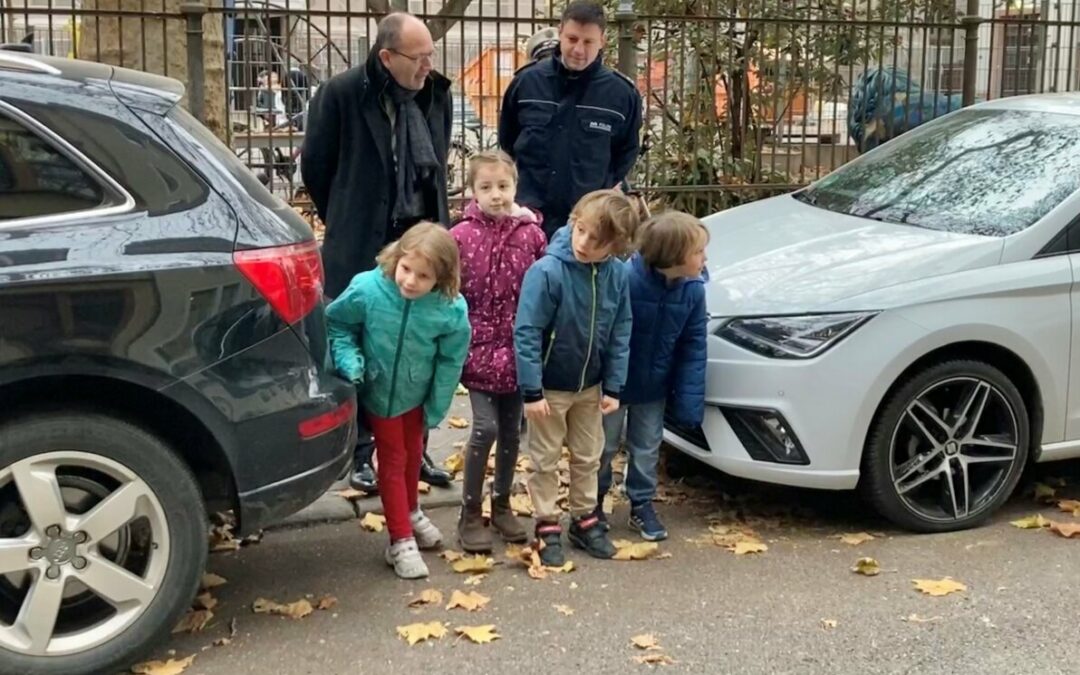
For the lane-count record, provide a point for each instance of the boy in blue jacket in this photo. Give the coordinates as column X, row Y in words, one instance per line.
column 667, row 359
column 572, row 340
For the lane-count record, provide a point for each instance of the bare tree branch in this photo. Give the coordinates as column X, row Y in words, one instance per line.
column 439, row 27
column 379, row 6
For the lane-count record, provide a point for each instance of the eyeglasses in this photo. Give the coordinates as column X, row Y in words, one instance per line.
column 426, row 58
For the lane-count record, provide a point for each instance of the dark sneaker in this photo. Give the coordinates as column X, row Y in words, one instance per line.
column 643, row 518
column 433, row 475
column 551, row 553
column 602, row 517
column 588, row 535
column 364, row 479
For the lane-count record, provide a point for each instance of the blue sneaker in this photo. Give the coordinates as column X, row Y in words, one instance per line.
column 643, row 518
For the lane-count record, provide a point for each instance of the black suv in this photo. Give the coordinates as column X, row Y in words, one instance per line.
column 163, row 356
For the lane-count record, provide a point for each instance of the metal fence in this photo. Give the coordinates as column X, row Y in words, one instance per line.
column 743, row 98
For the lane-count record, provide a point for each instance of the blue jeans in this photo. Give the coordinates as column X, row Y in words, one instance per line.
column 644, row 433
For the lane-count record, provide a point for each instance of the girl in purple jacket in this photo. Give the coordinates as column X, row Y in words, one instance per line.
column 498, row 241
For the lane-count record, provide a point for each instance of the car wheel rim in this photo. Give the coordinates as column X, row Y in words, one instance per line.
column 953, row 449
column 87, row 562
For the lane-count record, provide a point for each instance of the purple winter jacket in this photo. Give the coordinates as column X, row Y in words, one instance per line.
column 494, row 256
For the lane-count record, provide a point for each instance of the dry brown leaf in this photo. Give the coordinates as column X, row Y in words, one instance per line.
column 1031, row 522
column 455, row 463
column 563, row 609
column 205, row 601
column 646, row 641
column 1044, row 493
column 428, row 596
column 474, row 565
column 326, row 602
column 418, row 632
column 521, row 505
column 829, row 624
column 749, row 546
column 352, row 494
column 423, row 488
column 473, row 602
column 194, row 621
column 475, row 579
column 458, row 423
column 568, row 566
column 451, row 556
column 210, row 580
column 478, row 634
column 663, row 556
column 524, row 464
column 170, row 667
column 1067, row 530
column 868, row 567
column 373, row 522
column 1070, row 506
column 938, row 587
column 856, row 538
column 639, row 551
column 295, row 610
column 655, row 659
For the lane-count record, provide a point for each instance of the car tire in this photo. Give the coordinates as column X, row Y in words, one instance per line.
column 166, row 533
column 883, row 481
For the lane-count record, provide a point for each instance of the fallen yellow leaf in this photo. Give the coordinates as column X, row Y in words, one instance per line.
column 373, row 522
column 472, row 602
column 1067, row 530
column 868, row 567
column 749, row 546
column 646, row 641
column 640, row 551
column 474, row 565
column 295, row 610
column 423, row 488
column 829, row 624
column 194, row 621
column 655, row 659
column 475, row 579
column 352, row 494
column 1031, row 522
column 938, row 588
column 210, row 580
column 326, row 602
column 170, row 667
column 428, row 596
column 1070, row 506
column 461, row 390
column 479, row 634
column 458, row 423
column 854, row 539
column 563, row 609
column 455, row 463
column 418, row 632
column 568, row 566
column 451, row 556
column 521, row 505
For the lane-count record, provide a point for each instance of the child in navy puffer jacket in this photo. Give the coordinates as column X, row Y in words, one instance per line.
column 667, row 358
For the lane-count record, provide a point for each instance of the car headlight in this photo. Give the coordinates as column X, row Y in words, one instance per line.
column 791, row 337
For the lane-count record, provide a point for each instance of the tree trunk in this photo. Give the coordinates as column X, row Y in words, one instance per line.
column 159, row 46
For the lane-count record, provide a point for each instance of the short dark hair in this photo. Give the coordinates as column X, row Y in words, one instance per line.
column 388, row 35
column 585, row 12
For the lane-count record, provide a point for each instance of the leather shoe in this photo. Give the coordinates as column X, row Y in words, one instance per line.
column 433, row 475
column 364, row 479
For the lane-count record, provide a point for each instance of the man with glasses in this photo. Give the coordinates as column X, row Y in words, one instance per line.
column 374, row 163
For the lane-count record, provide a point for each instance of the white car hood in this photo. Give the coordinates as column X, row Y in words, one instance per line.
column 782, row 256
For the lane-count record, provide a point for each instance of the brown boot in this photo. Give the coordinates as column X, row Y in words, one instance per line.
column 507, row 524
column 473, row 532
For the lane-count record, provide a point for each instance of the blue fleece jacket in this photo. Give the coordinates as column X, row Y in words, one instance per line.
column 573, row 323
column 667, row 345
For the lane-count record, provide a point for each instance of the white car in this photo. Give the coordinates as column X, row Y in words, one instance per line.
column 910, row 323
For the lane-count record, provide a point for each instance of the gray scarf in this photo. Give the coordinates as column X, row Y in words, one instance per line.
column 416, row 160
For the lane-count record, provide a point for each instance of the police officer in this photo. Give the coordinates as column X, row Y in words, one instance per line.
column 571, row 123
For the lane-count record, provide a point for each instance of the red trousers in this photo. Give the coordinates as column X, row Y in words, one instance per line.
column 399, row 448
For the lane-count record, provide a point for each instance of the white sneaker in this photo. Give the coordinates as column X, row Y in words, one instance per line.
column 405, row 558
column 427, row 535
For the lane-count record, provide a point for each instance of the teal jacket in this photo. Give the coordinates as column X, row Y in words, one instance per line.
column 400, row 353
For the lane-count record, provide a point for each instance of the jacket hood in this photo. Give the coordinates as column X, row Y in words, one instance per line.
column 658, row 278
column 561, row 248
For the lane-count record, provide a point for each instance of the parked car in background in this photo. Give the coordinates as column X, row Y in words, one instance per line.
column 162, row 356
column 907, row 324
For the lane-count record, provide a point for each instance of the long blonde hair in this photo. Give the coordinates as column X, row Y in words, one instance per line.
column 432, row 242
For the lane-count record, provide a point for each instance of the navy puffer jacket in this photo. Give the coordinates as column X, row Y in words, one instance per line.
column 667, row 344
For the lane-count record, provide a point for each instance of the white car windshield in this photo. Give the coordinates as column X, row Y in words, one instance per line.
column 986, row 172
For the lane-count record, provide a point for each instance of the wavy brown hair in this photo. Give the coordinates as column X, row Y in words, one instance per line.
column 613, row 215
column 432, row 242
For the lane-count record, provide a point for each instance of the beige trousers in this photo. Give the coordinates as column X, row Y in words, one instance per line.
column 576, row 420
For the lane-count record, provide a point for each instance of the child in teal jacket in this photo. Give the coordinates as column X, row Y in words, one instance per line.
column 401, row 333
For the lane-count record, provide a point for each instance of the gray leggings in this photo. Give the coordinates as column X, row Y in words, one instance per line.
column 495, row 417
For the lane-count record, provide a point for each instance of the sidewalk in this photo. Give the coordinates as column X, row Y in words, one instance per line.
column 332, row 507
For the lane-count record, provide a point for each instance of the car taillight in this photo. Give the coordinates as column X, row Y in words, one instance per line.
column 317, row 426
column 289, row 277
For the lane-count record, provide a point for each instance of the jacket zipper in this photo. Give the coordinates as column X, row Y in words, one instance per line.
column 397, row 357
column 592, row 331
column 551, row 345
